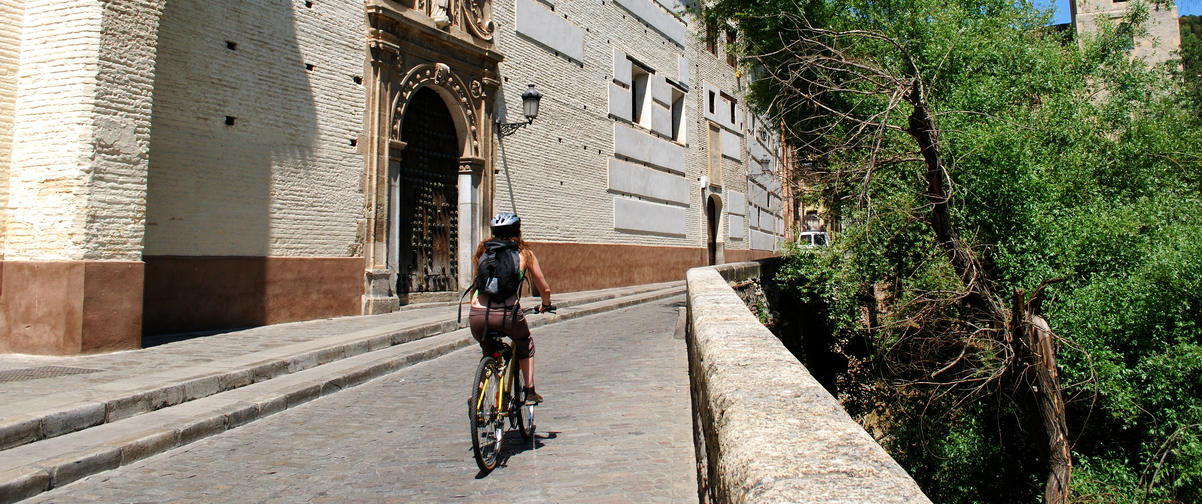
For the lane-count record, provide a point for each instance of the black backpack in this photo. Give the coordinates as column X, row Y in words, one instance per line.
column 497, row 271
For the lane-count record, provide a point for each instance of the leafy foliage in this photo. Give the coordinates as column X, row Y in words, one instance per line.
column 1069, row 162
column 1191, row 58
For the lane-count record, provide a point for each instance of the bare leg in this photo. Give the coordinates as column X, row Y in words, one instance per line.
column 527, row 367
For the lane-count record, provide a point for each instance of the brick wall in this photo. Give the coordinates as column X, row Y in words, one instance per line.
column 50, row 128
column 560, row 164
column 115, row 217
column 283, row 179
column 12, row 13
column 712, row 69
column 80, row 128
column 248, row 151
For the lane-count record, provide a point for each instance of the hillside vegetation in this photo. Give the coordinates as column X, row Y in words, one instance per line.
column 986, row 177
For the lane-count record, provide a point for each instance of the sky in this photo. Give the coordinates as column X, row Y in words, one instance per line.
column 1184, row 8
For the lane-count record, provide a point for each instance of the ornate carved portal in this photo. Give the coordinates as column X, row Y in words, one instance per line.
column 428, row 189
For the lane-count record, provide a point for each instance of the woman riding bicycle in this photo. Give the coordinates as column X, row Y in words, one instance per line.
column 503, row 314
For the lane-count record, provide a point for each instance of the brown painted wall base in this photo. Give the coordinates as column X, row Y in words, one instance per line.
column 574, row 267
column 73, row 307
column 733, row 256
column 571, row 267
column 70, row 307
column 205, row 293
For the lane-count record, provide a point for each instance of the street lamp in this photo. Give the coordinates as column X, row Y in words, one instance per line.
column 530, row 101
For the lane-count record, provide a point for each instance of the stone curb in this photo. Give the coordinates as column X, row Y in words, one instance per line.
column 39, row 467
column 32, row 427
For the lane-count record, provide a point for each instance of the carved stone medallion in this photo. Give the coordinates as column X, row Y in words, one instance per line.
column 477, row 17
column 437, row 75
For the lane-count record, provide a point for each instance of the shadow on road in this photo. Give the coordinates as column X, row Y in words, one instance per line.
column 513, row 444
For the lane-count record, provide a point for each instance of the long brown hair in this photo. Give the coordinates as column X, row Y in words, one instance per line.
column 523, row 249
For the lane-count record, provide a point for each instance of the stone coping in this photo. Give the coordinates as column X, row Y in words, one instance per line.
column 764, row 429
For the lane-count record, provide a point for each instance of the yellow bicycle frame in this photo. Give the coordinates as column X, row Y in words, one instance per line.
column 506, row 379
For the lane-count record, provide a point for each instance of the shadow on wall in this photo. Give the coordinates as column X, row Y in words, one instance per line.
column 233, row 106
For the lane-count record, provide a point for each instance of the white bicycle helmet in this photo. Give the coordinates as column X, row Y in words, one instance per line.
column 505, row 225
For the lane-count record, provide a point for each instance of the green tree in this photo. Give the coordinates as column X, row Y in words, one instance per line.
column 989, row 176
column 1191, row 58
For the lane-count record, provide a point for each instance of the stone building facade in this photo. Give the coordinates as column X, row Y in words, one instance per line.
column 181, row 166
column 1159, row 44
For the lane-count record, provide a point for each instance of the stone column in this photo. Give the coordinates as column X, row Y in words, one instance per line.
column 470, row 172
column 379, row 292
column 488, row 170
column 72, row 272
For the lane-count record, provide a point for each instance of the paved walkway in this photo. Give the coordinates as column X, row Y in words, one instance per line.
column 172, row 360
column 615, row 428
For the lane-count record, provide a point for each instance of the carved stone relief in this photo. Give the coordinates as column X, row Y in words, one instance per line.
column 460, row 17
column 477, row 17
column 438, row 75
column 386, row 55
column 441, row 13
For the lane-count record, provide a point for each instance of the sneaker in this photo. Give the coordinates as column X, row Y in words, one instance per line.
column 532, row 397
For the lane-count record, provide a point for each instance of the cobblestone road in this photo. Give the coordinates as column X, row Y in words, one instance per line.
column 615, row 428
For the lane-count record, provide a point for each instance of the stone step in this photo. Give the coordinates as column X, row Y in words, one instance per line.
column 49, row 463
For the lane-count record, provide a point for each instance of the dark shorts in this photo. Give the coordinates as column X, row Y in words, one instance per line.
column 507, row 320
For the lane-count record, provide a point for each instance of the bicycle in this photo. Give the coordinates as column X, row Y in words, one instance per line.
column 497, row 396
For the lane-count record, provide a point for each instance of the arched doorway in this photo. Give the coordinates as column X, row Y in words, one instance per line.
column 711, row 224
column 427, row 220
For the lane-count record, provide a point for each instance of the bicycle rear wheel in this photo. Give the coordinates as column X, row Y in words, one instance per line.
column 522, row 413
column 484, row 411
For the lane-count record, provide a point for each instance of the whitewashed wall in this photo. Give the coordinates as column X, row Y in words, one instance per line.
column 284, row 179
column 584, row 171
column 12, row 15
column 80, row 129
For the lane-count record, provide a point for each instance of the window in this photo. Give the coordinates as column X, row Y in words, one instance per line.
column 732, row 102
column 730, row 47
column 640, row 84
column 714, row 144
column 1127, row 35
column 713, row 96
column 678, row 128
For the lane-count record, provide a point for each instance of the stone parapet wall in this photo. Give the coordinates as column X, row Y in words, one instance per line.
column 765, row 430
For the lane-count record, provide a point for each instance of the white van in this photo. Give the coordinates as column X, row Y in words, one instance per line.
column 813, row 239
